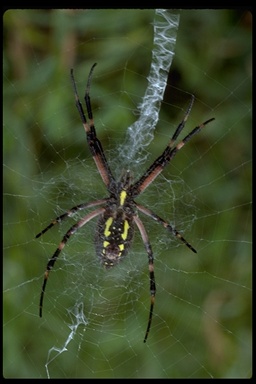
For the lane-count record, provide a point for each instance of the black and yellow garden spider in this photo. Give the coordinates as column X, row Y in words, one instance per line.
column 118, row 212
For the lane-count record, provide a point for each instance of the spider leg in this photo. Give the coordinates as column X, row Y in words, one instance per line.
column 168, row 154
column 70, row 213
column 183, row 122
column 62, row 244
column 152, row 283
column 157, row 218
column 93, row 142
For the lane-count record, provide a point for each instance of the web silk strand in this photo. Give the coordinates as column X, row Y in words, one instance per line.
column 141, row 133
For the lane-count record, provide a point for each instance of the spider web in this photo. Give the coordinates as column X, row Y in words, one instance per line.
column 202, row 317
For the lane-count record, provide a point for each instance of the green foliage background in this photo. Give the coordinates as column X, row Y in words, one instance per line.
column 42, row 133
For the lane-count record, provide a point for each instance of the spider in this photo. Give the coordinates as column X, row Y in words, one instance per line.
column 118, row 213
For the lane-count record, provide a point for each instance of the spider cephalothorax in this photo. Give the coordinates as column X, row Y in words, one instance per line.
column 118, row 214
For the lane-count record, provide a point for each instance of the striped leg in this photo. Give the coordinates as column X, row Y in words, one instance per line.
column 70, row 213
column 62, row 244
column 152, row 283
column 93, row 142
column 168, row 154
column 157, row 218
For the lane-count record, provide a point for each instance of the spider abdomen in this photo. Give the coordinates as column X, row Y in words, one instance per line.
column 113, row 237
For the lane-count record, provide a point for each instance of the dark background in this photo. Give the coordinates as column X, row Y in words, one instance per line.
column 202, row 322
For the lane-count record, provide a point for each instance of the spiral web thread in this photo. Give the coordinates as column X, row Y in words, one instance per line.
column 141, row 133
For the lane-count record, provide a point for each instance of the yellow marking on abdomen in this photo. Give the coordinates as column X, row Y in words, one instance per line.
column 123, row 195
column 125, row 232
column 107, row 226
column 121, row 247
column 105, row 244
